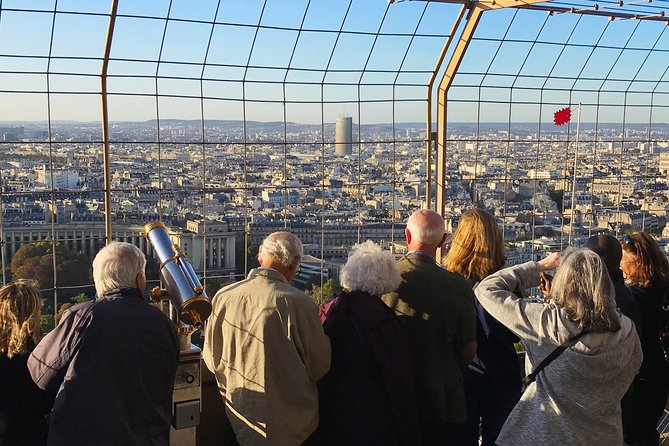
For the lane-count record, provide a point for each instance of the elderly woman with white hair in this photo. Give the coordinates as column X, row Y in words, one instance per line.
column 368, row 396
column 581, row 351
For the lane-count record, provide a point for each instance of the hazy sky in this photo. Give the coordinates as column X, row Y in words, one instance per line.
column 312, row 60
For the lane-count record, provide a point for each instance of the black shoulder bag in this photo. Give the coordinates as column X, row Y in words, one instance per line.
column 529, row 379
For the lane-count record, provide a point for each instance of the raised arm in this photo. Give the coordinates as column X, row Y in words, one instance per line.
column 496, row 293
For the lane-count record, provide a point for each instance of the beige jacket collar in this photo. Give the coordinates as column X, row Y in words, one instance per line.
column 269, row 273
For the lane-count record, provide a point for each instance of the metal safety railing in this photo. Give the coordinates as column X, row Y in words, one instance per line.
column 220, row 120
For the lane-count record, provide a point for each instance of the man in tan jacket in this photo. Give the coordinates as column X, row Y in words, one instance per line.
column 265, row 344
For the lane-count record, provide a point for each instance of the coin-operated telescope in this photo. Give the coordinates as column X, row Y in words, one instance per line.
column 190, row 307
column 182, row 285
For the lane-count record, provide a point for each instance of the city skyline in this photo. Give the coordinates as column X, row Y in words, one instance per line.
column 229, row 118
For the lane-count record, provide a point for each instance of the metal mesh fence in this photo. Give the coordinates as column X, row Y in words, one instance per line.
column 524, row 65
column 221, row 119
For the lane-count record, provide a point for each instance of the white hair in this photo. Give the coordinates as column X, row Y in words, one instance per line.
column 370, row 269
column 428, row 235
column 117, row 266
column 283, row 247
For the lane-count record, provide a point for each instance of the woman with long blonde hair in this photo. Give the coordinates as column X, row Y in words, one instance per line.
column 477, row 248
column 23, row 406
column 492, row 379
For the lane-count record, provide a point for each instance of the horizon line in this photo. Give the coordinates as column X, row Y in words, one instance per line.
column 434, row 124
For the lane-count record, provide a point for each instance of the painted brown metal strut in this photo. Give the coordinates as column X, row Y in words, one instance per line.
column 105, row 122
column 463, row 35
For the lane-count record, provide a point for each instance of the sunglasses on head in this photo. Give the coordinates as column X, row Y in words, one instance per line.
column 628, row 240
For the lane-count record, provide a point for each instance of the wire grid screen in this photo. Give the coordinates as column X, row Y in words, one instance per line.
column 507, row 155
column 220, row 115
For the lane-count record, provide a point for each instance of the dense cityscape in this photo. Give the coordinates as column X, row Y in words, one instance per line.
column 317, row 223
column 233, row 190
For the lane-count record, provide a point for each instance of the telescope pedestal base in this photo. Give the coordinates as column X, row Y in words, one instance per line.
column 186, row 400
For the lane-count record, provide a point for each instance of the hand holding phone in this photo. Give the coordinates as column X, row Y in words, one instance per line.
column 545, row 281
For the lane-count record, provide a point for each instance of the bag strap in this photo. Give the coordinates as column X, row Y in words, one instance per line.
column 529, row 379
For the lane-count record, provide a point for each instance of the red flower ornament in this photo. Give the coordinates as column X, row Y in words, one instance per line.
column 562, row 116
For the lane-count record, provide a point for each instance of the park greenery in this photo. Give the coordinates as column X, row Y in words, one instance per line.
column 37, row 261
column 323, row 294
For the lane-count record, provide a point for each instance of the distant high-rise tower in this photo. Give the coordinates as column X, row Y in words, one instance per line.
column 344, row 136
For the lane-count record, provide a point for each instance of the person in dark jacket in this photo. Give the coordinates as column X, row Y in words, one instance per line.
column 609, row 250
column 367, row 397
column 492, row 379
column 23, row 406
column 436, row 312
column 112, row 361
column 647, row 268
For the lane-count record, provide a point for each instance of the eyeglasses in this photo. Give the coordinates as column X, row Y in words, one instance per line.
column 628, row 240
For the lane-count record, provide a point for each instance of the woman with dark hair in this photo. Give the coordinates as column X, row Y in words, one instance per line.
column 646, row 267
column 492, row 379
column 574, row 399
column 607, row 247
column 23, row 406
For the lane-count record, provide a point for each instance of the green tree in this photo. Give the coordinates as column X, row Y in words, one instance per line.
column 63, row 308
column 35, row 261
column 324, row 294
column 251, row 256
column 46, row 322
column 81, row 297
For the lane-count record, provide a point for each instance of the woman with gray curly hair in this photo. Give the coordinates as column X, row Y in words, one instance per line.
column 368, row 396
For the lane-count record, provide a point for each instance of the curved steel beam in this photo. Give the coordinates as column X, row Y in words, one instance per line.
column 430, row 85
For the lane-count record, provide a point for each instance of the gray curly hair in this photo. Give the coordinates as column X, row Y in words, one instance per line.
column 370, row 269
